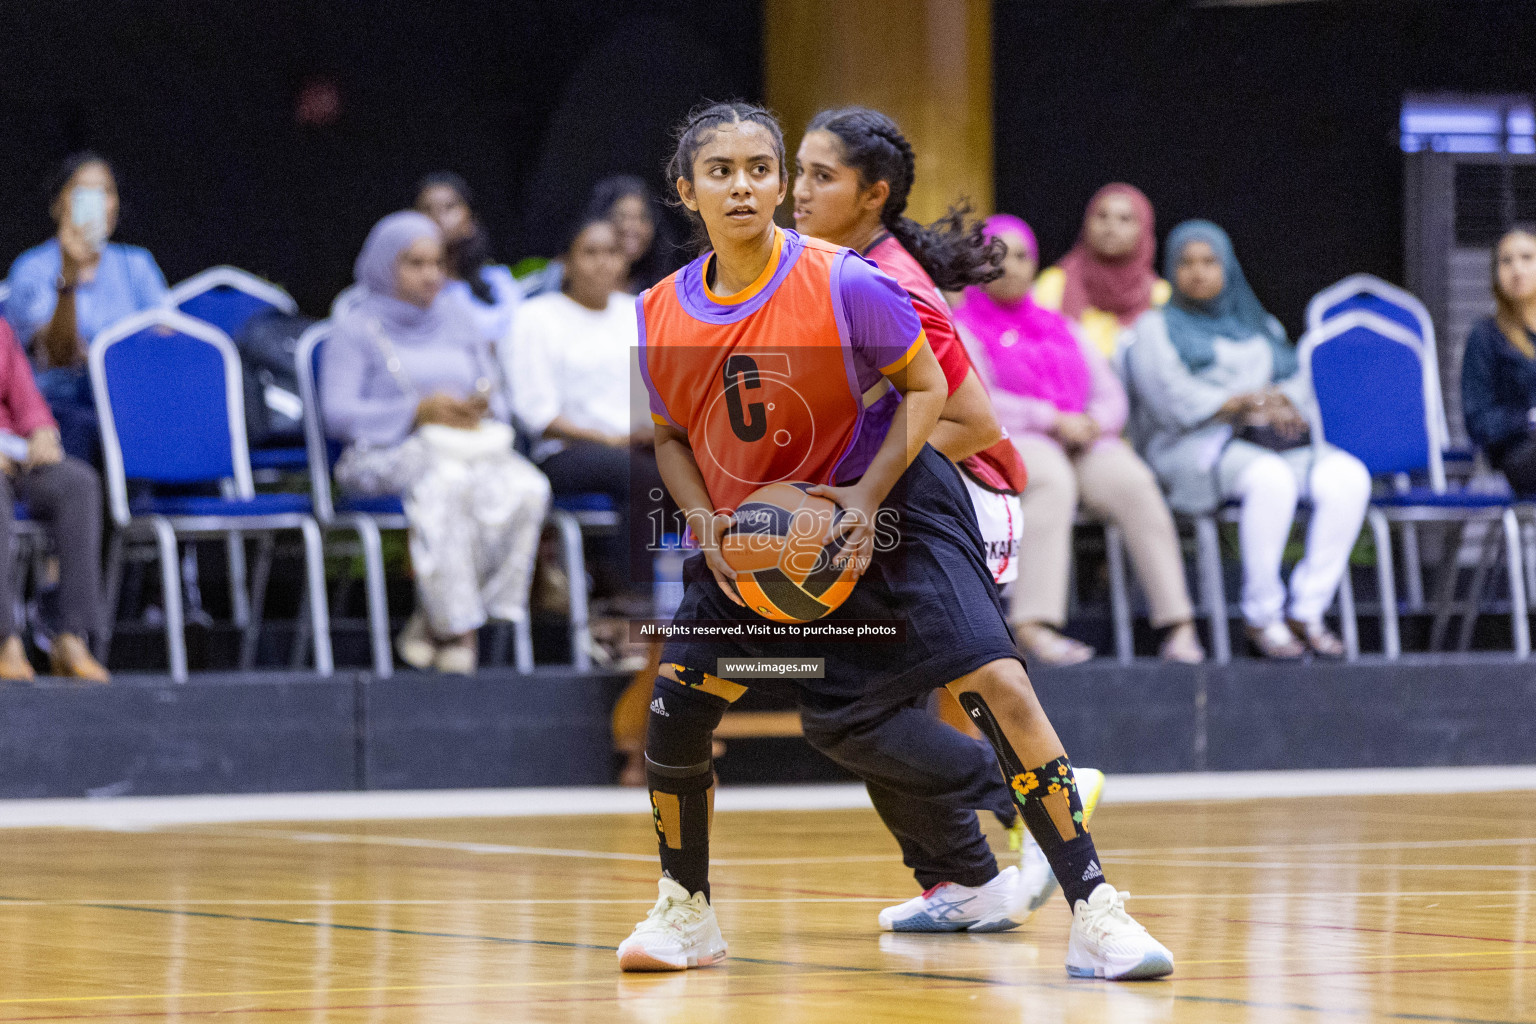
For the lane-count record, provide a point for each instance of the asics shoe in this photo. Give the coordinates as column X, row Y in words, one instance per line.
column 680, row 932
column 1107, row 943
column 951, row 907
column 1036, row 879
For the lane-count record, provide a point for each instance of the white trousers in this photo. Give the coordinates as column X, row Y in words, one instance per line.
column 1338, row 487
column 474, row 527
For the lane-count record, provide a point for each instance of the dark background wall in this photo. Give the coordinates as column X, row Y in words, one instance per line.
column 1280, row 123
column 196, row 104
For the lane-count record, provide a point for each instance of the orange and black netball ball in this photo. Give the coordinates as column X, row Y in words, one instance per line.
column 786, row 570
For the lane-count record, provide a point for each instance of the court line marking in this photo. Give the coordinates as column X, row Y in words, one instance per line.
column 22, row 903
column 128, row 813
column 1403, row 844
column 818, row 969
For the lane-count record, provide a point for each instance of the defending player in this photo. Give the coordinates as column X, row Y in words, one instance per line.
column 835, row 328
column 853, row 174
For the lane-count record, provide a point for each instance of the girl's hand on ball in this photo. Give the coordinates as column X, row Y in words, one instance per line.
column 708, row 528
column 857, row 525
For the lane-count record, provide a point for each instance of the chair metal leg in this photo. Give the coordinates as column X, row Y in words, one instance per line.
column 314, row 561
column 1472, row 606
column 250, row 637
column 1386, row 586
column 1412, row 569
column 113, row 597
column 1349, row 625
column 239, row 593
column 576, row 572
column 1518, row 610
column 1213, row 592
column 522, row 645
column 170, row 586
column 1119, row 597
column 378, row 601
column 1528, row 555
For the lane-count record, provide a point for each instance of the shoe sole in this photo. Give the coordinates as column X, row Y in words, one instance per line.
column 1153, row 965
column 640, row 960
column 922, row 924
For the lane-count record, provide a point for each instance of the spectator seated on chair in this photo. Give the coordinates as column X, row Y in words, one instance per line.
column 1106, row 281
column 649, row 252
column 1222, row 414
column 409, row 384
column 489, row 289
column 571, row 362
column 64, row 494
column 1064, row 408
column 1498, row 370
column 66, row 290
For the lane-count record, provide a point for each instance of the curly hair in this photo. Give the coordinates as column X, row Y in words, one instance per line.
column 953, row 253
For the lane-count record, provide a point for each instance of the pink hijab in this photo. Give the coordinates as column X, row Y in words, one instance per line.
column 1123, row 288
column 1030, row 350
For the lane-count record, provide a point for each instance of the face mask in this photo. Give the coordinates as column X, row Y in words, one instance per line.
column 88, row 212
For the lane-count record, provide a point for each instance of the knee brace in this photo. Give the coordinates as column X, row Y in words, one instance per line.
column 678, row 767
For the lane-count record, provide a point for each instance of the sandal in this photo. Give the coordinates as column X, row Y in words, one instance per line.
column 416, row 644
column 1276, row 641
column 1045, row 645
column 1182, row 645
column 1322, row 641
column 71, row 659
column 14, row 665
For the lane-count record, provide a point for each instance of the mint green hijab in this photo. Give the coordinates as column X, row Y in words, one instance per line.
column 1237, row 314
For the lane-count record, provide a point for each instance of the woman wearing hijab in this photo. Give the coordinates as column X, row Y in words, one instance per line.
column 1222, row 414
column 1106, row 281
column 488, row 289
column 410, row 386
column 1063, row 408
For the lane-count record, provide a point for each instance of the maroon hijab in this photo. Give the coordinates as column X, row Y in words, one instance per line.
column 1124, row 287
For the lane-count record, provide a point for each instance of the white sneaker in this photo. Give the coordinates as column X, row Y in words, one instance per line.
column 1036, row 879
column 951, row 907
column 680, row 932
column 1107, row 943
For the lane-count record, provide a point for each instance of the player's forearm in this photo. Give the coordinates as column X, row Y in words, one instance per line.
column 680, row 472
column 967, row 423
column 910, row 429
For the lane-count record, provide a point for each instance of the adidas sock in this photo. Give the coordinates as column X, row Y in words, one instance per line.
column 1053, row 813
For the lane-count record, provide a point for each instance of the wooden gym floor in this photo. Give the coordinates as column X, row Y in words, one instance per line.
column 1387, row 908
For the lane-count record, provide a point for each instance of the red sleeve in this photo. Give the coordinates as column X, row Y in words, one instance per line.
column 29, row 412
column 946, row 344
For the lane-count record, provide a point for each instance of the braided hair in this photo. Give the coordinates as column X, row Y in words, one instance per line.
column 953, row 254
column 699, row 127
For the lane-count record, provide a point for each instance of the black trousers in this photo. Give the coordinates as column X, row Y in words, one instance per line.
column 66, row 499
column 1519, row 465
column 631, row 480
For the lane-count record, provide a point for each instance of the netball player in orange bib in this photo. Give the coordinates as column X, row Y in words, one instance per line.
column 778, row 357
column 853, row 174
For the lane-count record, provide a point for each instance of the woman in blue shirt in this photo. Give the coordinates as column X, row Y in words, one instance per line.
column 1498, row 370
column 74, row 285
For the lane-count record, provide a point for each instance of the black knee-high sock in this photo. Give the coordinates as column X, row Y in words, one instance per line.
column 1053, row 811
column 680, row 771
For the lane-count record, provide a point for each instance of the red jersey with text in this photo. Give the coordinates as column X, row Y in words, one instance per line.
column 783, row 380
column 999, row 467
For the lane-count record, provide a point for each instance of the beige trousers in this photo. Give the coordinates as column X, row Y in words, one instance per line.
column 1115, row 486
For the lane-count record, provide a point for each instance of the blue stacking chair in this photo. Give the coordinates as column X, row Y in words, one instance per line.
column 169, row 394
column 368, row 516
column 5, row 295
column 1379, row 398
column 227, row 298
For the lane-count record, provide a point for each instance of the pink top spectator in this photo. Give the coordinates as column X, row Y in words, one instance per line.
column 22, row 409
column 1035, row 363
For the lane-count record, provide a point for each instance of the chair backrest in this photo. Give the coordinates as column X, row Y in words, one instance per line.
column 171, row 402
column 1369, row 293
column 228, row 297
column 306, row 357
column 1376, row 394
column 346, row 300
column 5, row 294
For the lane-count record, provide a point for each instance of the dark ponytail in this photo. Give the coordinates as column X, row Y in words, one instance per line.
column 698, row 128
column 953, row 254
